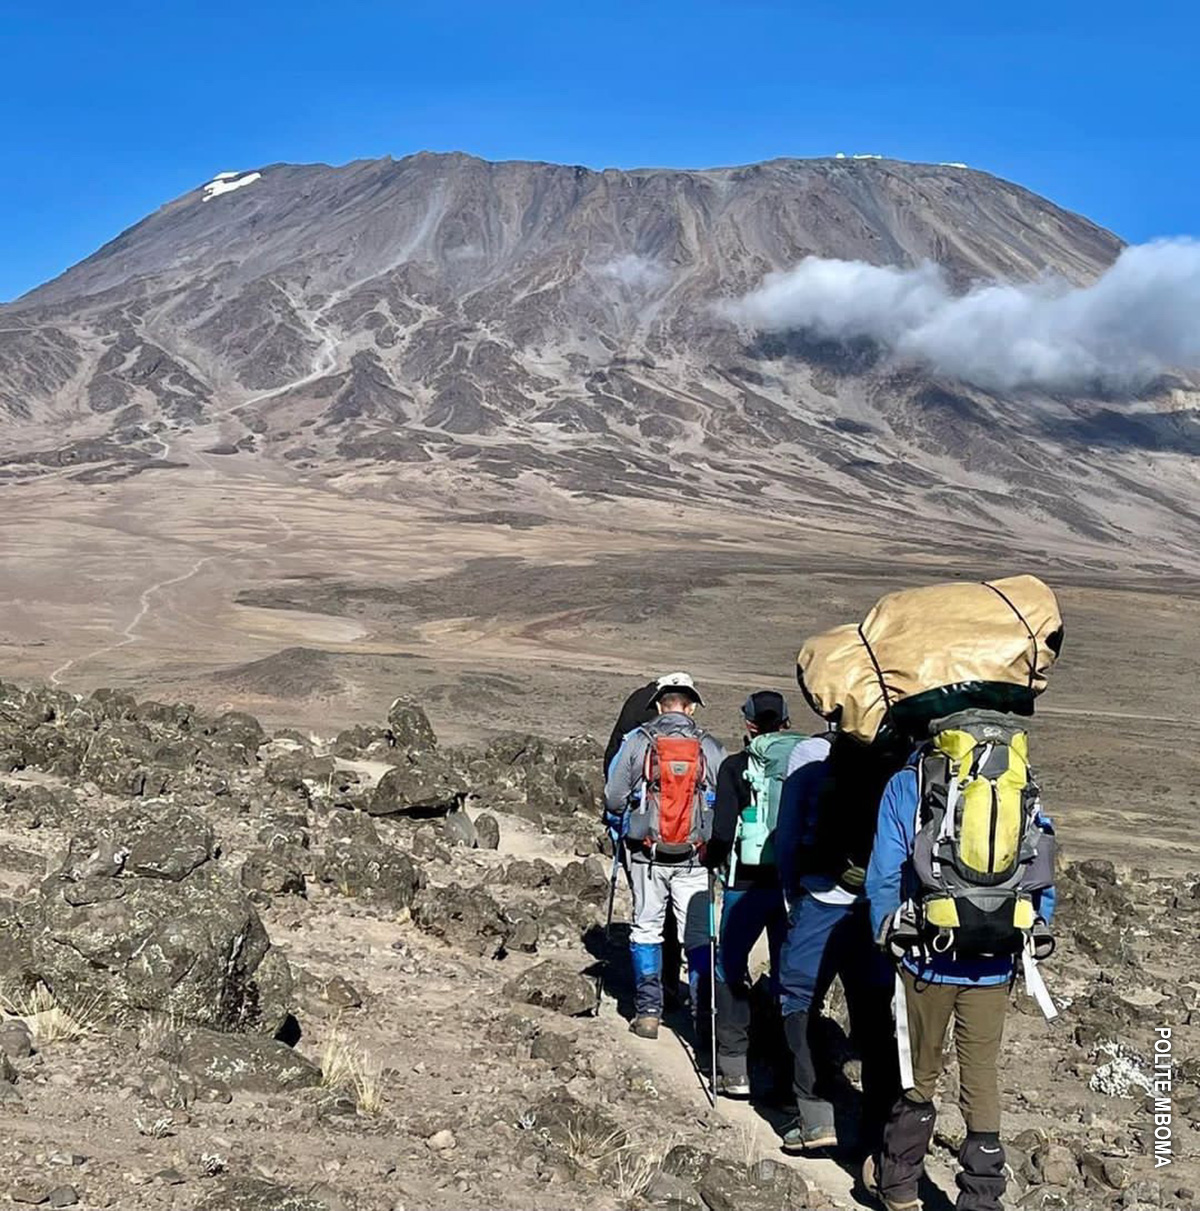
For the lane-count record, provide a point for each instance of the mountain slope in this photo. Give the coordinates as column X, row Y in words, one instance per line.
column 441, row 325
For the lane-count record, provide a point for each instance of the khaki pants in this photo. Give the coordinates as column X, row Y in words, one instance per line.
column 978, row 1012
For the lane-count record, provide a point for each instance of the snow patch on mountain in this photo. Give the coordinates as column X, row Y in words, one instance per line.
column 227, row 182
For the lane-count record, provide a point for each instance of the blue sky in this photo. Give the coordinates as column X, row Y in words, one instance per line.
column 109, row 110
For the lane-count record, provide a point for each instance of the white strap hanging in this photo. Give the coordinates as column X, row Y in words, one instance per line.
column 1037, row 986
column 903, row 1042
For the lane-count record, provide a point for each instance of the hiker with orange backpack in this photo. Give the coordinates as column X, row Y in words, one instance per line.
column 637, row 710
column 658, row 800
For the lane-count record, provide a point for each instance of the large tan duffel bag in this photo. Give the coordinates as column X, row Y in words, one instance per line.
column 921, row 654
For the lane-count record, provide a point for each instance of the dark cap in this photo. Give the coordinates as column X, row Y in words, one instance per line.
column 765, row 708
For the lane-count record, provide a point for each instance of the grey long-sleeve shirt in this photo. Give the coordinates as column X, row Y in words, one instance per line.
column 628, row 766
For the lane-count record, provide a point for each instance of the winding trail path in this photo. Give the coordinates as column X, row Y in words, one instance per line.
column 129, row 634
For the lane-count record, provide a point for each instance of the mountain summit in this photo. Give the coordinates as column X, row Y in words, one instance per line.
column 441, row 324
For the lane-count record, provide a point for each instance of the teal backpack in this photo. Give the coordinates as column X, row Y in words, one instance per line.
column 765, row 771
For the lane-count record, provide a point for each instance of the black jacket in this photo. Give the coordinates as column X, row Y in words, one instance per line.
column 639, row 709
column 733, row 797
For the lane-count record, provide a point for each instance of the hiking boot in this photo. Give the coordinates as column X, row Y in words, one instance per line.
column 800, row 1137
column 644, row 1026
column 733, row 1079
column 733, row 1085
column 870, row 1178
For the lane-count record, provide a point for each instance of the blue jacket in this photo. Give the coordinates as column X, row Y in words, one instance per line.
column 799, row 808
column 891, row 881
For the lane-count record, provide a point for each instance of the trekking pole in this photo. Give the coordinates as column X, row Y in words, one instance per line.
column 612, row 897
column 712, row 987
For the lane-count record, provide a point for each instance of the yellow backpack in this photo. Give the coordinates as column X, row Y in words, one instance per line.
column 979, row 852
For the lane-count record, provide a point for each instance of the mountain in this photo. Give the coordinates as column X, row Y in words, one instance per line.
column 443, row 328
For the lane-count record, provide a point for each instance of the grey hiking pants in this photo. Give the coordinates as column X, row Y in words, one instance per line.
column 658, row 885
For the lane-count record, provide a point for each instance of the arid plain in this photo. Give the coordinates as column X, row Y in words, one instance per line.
column 224, row 584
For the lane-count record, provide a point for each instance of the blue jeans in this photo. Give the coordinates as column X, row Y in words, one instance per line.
column 824, row 941
column 744, row 916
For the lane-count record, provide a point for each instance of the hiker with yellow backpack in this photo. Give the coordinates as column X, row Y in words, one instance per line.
column 961, row 890
column 960, row 876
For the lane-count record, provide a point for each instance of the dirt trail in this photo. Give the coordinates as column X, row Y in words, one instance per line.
column 736, row 1122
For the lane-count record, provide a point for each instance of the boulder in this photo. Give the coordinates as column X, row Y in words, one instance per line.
column 427, row 845
column 765, row 1186
column 409, row 726
column 154, row 840
column 554, row 1049
column 120, row 760
column 582, row 883
column 528, row 874
column 16, row 955
column 285, row 831
column 463, row 916
column 233, row 740
column 255, row 1194
column 416, row 789
column 687, row 1162
column 1053, row 1165
column 51, row 748
column 358, row 743
column 138, row 918
column 549, row 985
column 487, row 830
column 360, row 865
column 16, row 1041
column 673, row 1193
column 40, row 806
column 241, row 1062
column 272, row 874
column 581, row 1130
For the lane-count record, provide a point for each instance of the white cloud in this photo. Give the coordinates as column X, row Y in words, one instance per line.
column 635, row 272
column 1139, row 318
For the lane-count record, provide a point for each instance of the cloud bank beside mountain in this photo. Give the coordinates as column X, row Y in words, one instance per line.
column 1139, row 318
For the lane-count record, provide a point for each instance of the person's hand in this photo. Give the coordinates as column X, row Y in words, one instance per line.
column 899, row 936
column 714, row 854
column 1043, row 940
column 615, row 823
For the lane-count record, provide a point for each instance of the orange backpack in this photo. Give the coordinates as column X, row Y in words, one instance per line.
column 676, row 817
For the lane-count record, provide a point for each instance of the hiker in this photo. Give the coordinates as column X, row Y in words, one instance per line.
column 961, row 891
column 636, row 711
column 742, row 847
column 658, row 799
column 823, row 841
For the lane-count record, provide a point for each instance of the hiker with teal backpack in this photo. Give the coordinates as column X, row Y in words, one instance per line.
column 742, row 848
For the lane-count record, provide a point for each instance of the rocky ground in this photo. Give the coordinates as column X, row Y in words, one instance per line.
column 247, row 972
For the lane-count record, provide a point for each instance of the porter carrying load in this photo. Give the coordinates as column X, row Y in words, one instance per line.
column 924, row 654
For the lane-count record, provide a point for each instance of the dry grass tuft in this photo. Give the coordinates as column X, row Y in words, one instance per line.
column 632, row 1174
column 345, row 1065
column 588, row 1149
column 49, row 1019
column 627, row 1168
column 154, row 1030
